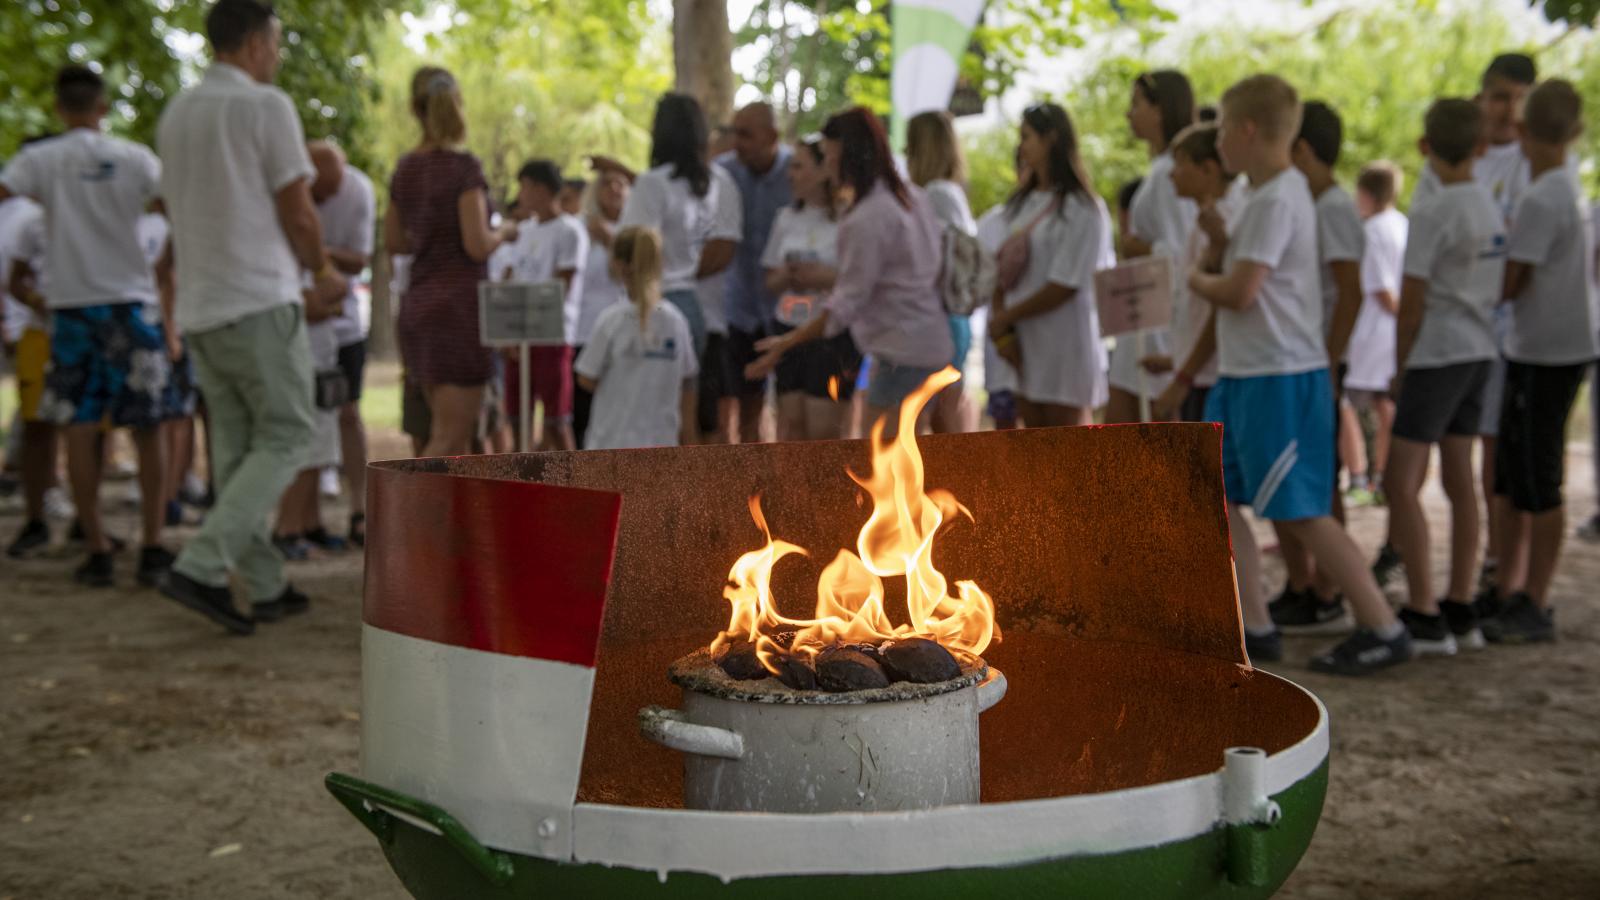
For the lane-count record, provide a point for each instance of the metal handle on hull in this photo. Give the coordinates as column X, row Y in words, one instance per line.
column 991, row 690
column 377, row 808
column 671, row 728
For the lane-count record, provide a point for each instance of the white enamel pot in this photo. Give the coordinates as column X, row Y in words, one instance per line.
column 907, row 747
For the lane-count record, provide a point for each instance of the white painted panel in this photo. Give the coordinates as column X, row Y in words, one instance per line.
column 495, row 740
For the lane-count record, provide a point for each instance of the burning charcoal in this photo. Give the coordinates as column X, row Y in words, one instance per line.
column 869, row 649
column 843, row 669
column 739, row 661
column 784, row 639
column 918, row 660
column 796, row 674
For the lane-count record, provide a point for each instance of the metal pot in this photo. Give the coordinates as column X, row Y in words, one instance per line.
column 909, row 746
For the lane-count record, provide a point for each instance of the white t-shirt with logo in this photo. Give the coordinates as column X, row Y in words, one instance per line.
column 349, row 222
column 805, row 234
column 727, row 224
column 153, row 231
column 94, row 188
column 1502, row 170
column 1158, row 216
column 1371, row 351
column 1555, row 321
column 663, row 202
column 1340, row 238
column 1281, row 332
column 1457, row 243
column 546, row 249
column 641, row 374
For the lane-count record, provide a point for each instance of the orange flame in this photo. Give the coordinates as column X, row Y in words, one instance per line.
column 833, row 387
column 896, row 542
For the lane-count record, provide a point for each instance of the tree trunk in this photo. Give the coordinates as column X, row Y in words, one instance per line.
column 702, row 51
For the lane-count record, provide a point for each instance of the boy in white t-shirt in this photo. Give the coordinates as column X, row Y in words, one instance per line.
column 1444, row 349
column 1309, row 603
column 551, row 246
column 1370, row 356
column 1554, row 337
column 1274, row 390
column 108, row 346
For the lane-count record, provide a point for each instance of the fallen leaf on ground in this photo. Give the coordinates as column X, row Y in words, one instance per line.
column 225, row 850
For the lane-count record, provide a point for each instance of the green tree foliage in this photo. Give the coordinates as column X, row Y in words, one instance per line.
column 1379, row 67
column 540, row 79
column 820, row 55
column 148, row 49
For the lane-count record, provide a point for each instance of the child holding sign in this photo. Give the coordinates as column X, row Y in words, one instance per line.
column 1275, row 394
column 640, row 362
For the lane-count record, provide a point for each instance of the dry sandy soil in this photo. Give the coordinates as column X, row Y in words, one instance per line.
column 142, row 755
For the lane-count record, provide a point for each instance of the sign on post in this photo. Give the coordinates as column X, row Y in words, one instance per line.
column 513, row 313
column 1134, row 296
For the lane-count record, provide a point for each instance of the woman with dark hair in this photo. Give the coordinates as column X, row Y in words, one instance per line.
column 439, row 215
column 1046, row 323
column 1159, row 221
column 801, row 261
column 690, row 203
column 886, row 292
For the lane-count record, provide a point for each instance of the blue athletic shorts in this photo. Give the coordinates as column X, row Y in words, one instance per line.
column 108, row 363
column 891, row 383
column 1277, row 443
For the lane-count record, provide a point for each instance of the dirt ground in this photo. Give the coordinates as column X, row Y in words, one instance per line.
column 143, row 755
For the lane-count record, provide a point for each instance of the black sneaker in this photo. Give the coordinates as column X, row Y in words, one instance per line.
column 153, row 562
column 1462, row 619
column 289, row 603
column 1263, row 648
column 1363, row 653
column 320, row 538
column 1521, row 622
column 76, row 536
column 1285, row 599
column 1309, row 614
column 293, row 547
column 1488, row 575
column 34, row 535
column 215, row 603
column 1387, row 565
column 1486, row 604
column 1430, row 636
column 96, row 571
column 174, row 515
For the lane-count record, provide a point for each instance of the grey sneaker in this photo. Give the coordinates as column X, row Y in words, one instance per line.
column 1430, row 636
column 1363, row 653
column 1521, row 622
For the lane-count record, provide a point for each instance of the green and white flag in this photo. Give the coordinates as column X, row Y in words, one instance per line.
column 929, row 39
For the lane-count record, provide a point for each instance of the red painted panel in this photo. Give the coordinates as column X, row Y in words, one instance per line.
column 500, row 566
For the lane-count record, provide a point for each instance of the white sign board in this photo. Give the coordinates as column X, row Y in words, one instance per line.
column 512, row 313
column 1134, row 296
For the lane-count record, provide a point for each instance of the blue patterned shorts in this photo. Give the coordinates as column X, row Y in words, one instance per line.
column 109, row 363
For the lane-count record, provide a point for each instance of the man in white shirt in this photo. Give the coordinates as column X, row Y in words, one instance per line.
column 551, row 246
column 237, row 186
column 108, row 359
column 345, row 204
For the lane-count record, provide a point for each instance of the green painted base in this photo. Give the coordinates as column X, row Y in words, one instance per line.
column 432, row 869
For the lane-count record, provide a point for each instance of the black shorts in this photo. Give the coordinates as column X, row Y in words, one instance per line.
column 416, row 420
column 353, row 363
column 810, row 367
column 716, row 378
column 741, row 351
column 1528, row 459
column 1193, row 407
column 1441, row 400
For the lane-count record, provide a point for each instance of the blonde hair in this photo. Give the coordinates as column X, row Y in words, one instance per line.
column 637, row 253
column 437, row 104
column 1553, row 112
column 1269, row 102
column 932, row 150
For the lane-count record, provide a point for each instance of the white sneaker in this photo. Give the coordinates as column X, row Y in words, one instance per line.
column 330, row 482
column 57, row 506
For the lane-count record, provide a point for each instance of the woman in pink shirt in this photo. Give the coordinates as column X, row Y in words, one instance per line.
column 886, row 293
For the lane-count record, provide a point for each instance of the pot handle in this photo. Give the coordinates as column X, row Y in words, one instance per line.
column 671, row 728
column 991, row 690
